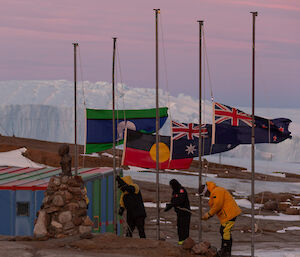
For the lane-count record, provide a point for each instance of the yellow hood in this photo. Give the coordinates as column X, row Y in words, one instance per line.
column 210, row 186
column 128, row 180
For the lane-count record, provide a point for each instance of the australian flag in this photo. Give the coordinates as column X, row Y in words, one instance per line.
column 231, row 125
column 185, row 140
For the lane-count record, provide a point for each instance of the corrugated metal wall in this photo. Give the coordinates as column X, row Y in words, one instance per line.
column 22, row 193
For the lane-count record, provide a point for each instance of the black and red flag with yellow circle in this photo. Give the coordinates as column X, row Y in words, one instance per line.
column 140, row 150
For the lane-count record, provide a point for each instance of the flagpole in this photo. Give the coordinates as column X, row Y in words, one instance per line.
column 75, row 110
column 157, row 11
column 114, row 135
column 254, row 14
column 200, row 123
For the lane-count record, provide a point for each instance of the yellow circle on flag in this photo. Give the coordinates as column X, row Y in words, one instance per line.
column 164, row 152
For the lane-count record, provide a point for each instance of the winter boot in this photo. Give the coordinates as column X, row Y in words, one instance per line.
column 225, row 250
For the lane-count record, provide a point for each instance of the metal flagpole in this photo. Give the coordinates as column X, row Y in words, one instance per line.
column 114, row 135
column 200, row 123
column 254, row 14
column 75, row 110
column 157, row 11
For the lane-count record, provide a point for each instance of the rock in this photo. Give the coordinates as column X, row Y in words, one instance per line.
column 51, row 209
column 201, row 248
column 85, row 229
column 68, row 196
column 282, row 206
column 87, row 221
column 69, row 225
column 65, row 217
column 270, row 205
column 72, row 206
column 54, row 181
column 82, row 204
column 73, row 183
column 64, row 179
column 40, row 228
column 63, row 187
column 77, row 221
column 212, row 252
column 56, row 224
column 61, row 235
column 81, row 212
column 188, row 243
column 75, row 190
column 292, row 211
column 46, row 200
column 58, row 201
column 86, row 236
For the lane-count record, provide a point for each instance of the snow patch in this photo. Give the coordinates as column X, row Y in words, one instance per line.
column 16, row 159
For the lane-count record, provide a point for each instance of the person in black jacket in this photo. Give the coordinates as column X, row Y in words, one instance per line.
column 181, row 204
column 131, row 200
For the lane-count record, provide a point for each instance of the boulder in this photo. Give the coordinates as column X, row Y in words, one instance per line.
column 201, row 248
column 82, row 204
column 85, row 229
column 40, row 228
column 282, row 206
column 292, row 211
column 77, row 221
column 87, row 221
column 65, row 217
column 75, row 190
column 72, row 206
column 211, row 252
column 188, row 243
column 270, row 205
column 56, row 224
column 58, row 201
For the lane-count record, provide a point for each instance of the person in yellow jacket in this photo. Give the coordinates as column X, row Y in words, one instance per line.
column 131, row 200
column 225, row 207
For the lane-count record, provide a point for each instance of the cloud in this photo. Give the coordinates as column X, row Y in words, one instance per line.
column 281, row 5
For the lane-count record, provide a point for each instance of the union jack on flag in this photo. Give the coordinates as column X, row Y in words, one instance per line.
column 189, row 130
column 228, row 115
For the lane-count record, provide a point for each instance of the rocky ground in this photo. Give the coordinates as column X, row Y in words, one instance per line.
column 266, row 235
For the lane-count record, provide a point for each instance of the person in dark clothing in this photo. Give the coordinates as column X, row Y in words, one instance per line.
column 131, row 200
column 181, row 204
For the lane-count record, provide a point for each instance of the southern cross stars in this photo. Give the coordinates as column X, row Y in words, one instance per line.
column 190, row 149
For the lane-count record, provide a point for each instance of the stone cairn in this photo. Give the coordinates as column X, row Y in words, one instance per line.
column 64, row 209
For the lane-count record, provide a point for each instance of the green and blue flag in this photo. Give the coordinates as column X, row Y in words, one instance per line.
column 99, row 127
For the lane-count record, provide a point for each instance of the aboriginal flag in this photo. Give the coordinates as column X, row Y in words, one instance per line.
column 140, row 151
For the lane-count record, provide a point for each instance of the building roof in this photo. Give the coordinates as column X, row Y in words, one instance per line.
column 15, row 178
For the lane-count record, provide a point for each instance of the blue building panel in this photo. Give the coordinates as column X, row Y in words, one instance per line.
column 103, row 216
column 22, row 193
column 6, row 212
column 110, row 200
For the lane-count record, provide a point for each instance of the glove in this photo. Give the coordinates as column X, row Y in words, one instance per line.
column 168, row 207
column 120, row 182
column 121, row 211
column 206, row 216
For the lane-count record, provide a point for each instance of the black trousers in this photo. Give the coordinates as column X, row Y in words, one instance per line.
column 138, row 222
column 183, row 226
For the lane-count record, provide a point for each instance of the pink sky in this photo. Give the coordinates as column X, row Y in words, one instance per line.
column 37, row 36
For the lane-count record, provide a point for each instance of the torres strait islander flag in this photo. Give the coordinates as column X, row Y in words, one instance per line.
column 140, row 150
column 99, row 126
